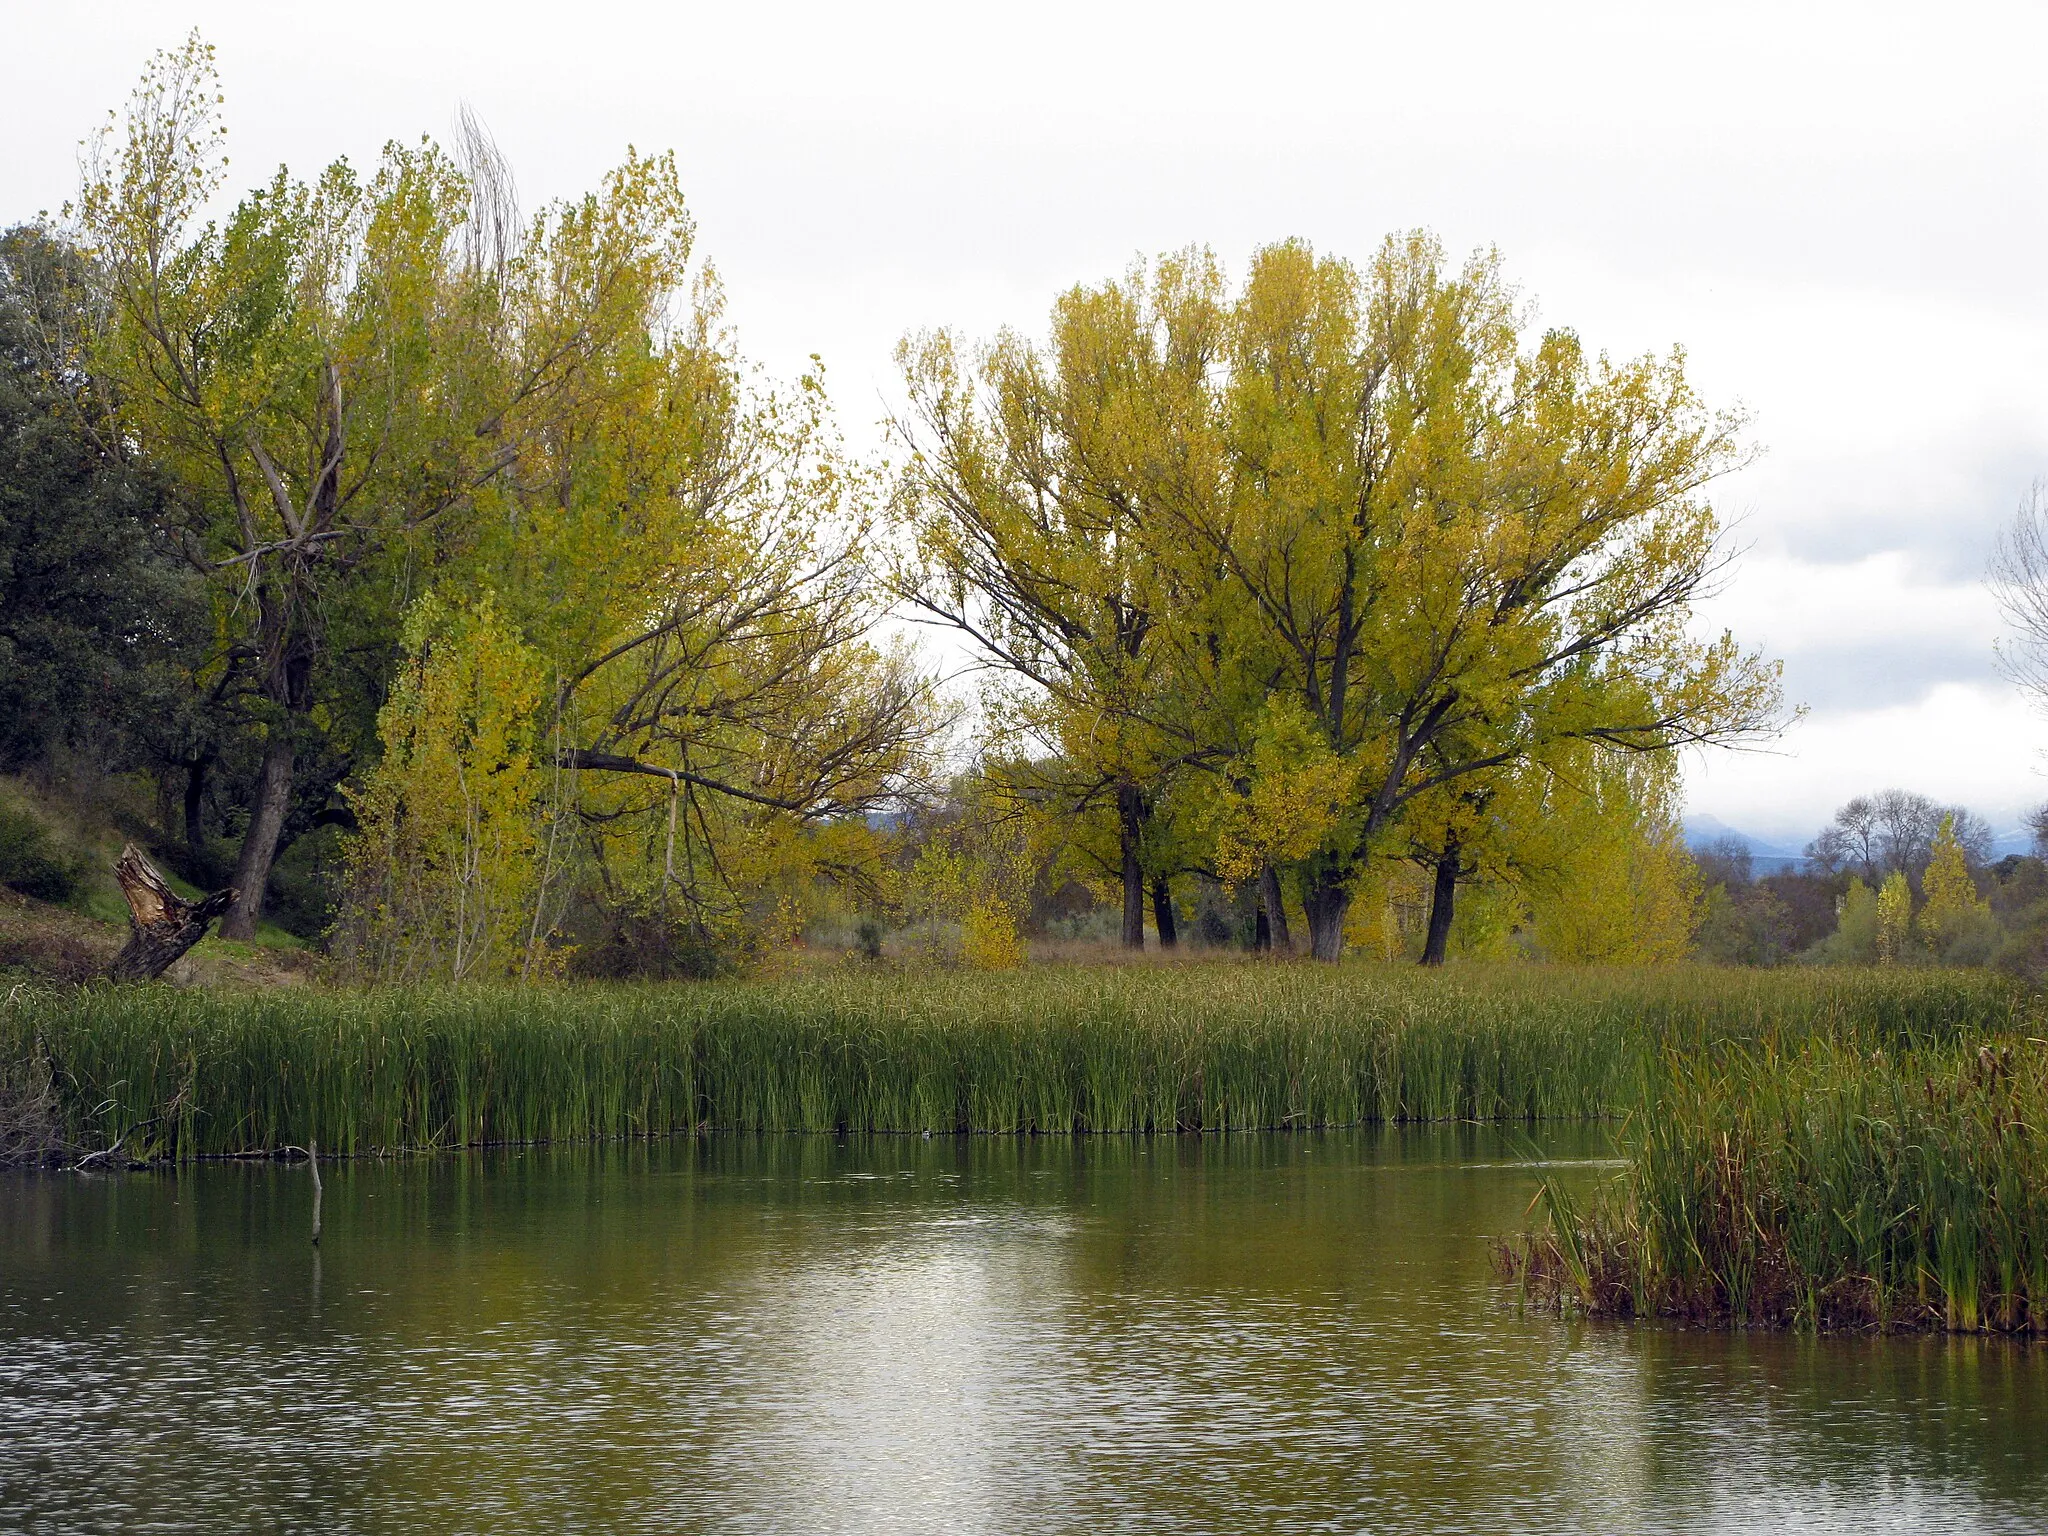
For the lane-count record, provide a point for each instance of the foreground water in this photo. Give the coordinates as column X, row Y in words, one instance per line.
column 797, row 1334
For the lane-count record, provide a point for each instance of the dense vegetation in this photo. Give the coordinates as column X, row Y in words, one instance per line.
column 485, row 612
column 1895, row 878
column 439, row 574
column 1822, row 1183
column 1215, row 1046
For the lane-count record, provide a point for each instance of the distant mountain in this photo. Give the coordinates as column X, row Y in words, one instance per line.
column 1765, row 858
column 2018, row 840
column 1770, row 858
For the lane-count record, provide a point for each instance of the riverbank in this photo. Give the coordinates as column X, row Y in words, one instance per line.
column 167, row 1073
column 1819, row 1185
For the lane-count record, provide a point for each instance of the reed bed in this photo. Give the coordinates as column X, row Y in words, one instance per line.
column 181, row 1074
column 1819, row 1187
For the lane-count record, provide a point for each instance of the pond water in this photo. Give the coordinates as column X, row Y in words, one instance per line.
column 806, row 1334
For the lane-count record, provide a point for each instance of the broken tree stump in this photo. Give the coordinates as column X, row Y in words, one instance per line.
column 162, row 924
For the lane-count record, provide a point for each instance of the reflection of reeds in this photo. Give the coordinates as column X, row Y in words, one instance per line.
column 1054, row 1049
column 1820, row 1184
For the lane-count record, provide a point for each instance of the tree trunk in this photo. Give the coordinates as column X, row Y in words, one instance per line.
column 1130, row 815
column 1327, row 900
column 162, row 925
column 1445, row 892
column 1275, row 911
column 1262, row 926
column 1162, row 913
column 259, row 845
column 195, row 806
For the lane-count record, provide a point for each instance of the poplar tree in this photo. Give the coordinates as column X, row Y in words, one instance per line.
column 1032, row 494
column 368, row 389
column 1408, row 544
column 288, row 365
column 1457, row 547
column 1951, row 899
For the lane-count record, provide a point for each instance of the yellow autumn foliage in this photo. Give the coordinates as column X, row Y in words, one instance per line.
column 1626, row 891
column 1294, row 797
column 1952, row 902
column 445, row 871
column 1894, row 918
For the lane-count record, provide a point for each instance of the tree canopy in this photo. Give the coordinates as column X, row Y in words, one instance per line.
column 469, row 529
column 1338, row 540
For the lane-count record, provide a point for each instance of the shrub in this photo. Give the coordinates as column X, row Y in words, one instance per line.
column 29, row 862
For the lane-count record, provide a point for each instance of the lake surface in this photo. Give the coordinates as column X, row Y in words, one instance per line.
column 805, row 1334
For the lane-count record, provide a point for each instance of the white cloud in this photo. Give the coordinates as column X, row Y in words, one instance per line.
column 1976, row 745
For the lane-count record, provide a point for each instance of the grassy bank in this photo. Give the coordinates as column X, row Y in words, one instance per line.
column 1818, row 1187
column 1220, row 1046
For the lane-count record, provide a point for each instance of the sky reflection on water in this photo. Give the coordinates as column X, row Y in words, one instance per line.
column 802, row 1334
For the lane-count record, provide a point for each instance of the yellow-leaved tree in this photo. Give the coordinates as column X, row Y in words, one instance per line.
column 1291, row 791
column 1626, row 891
column 1379, row 539
column 1029, row 494
column 1894, row 917
column 687, row 551
column 1953, row 907
column 447, row 870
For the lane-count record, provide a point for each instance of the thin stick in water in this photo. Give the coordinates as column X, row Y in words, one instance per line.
column 313, row 1162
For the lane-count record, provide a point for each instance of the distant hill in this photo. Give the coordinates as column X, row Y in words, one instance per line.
column 1765, row 858
column 1771, row 858
column 2019, row 840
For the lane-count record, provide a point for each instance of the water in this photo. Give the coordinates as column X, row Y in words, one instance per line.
column 798, row 1334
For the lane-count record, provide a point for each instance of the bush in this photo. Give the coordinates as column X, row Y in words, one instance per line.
column 30, row 862
column 1969, row 938
column 634, row 948
column 2024, row 950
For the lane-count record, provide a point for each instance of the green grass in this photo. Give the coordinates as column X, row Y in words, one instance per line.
column 1822, row 1185
column 111, row 907
column 1053, row 1050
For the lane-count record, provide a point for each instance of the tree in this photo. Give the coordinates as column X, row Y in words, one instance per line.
column 1952, row 906
column 1375, row 544
column 335, row 371
column 445, row 870
column 1494, row 826
column 98, row 614
column 1029, row 491
column 1857, row 927
column 1894, row 831
column 1452, row 553
column 282, row 367
column 1623, row 890
column 1894, row 917
column 2018, row 579
column 692, row 560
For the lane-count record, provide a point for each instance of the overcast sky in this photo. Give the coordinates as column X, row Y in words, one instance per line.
column 1838, row 210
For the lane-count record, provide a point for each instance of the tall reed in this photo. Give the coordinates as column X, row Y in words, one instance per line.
column 1055, row 1049
column 1822, row 1185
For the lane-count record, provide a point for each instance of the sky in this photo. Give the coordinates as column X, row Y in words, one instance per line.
column 1838, row 210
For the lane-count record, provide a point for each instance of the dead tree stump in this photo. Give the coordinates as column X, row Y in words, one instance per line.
column 162, row 924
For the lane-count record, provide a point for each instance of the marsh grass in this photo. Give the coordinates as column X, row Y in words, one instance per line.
column 1050, row 1049
column 1821, row 1185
